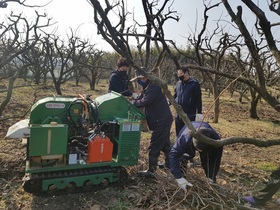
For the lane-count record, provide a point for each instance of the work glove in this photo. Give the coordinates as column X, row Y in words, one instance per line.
column 210, row 181
column 183, row 183
column 134, row 95
column 199, row 117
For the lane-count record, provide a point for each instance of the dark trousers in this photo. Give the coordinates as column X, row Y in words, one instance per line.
column 211, row 161
column 160, row 141
column 270, row 189
column 179, row 124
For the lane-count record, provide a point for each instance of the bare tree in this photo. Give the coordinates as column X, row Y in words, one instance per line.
column 60, row 55
column 213, row 57
column 119, row 35
column 116, row 39
column 14, row 44
column 265, row 26
column 225, row 57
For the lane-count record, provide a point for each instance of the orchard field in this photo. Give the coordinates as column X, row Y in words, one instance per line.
column 244, row 169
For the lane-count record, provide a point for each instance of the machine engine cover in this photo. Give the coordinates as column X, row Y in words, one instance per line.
column 100, row 149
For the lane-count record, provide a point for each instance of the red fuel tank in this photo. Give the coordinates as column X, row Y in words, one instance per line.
column 100, row 149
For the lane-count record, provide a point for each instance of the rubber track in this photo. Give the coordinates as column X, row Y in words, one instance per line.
column 32, row 183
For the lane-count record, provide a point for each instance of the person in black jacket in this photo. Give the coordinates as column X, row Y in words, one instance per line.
column 188, row 96
column 159, row 119
column 185, row 148
column 267, row 192
column 118, row 80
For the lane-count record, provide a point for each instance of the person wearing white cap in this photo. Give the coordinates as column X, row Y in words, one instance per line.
column 159, row 119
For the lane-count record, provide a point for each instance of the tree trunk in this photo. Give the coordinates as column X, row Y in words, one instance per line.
column 9, row 92
column 45, row 78
column 255, row 97
column 37, row 77
column 92, row 82
column 216, row 103
column 57, row 88
column 77, row 80
column 92, row 85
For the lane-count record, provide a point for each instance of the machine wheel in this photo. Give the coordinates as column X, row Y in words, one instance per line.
column 104, row 183
column 52, row 189
column 87, row 185
column 71, row 187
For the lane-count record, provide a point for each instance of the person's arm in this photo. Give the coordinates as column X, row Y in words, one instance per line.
column 174, row 159
column 126, row 93
column 180, row 148
column 147, row 98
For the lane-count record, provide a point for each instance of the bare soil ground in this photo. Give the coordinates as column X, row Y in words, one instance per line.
column 244, row 168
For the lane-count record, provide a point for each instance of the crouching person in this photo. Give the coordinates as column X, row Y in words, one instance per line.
column 185, row 148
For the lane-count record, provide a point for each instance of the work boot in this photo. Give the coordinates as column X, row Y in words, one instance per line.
column 152, row 168
column 146, row 173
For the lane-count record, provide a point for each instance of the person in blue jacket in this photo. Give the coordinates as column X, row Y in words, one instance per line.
column 267, row 192
column 118, row 80
column 188, row 96
column 185, row 148
column 159, row 119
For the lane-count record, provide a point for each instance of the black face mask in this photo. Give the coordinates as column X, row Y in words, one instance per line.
column 140, row 82
column 181, row 78
column 145, row 84
column 122, row 73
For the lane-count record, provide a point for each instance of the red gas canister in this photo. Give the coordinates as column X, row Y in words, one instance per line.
column 100, row 149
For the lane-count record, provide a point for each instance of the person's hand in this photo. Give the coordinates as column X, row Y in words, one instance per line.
column 183, row 183
column 131, row 100
column 199, row 117
column 134, row 95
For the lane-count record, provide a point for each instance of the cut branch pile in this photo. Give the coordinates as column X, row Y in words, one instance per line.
column 164, row 193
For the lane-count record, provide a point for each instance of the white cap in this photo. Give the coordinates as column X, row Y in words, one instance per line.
column 137, row 77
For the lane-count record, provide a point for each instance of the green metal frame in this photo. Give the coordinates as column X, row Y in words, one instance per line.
column 49, row 134
column 48, row 139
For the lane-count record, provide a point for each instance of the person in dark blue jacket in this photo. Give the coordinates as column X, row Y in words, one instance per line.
column 118, row 80
column 267, row 192
column 185, row 148
column 159, row 119
column 188, row 96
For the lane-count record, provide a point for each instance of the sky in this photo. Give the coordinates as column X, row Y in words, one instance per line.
column 78, row 15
